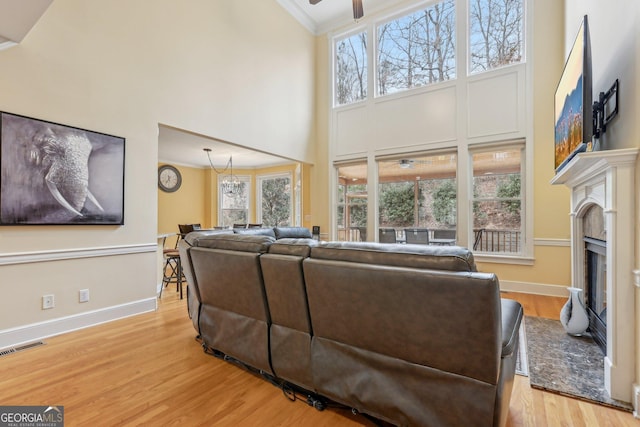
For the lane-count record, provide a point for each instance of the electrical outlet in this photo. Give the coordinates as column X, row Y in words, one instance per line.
column 83, row 295
column 48, row 301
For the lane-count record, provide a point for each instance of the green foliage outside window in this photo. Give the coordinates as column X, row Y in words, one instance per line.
column 397, row 204
column 444, row 202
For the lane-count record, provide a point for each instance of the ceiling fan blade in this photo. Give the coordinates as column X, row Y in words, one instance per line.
column 358, row 11
column 314, row 1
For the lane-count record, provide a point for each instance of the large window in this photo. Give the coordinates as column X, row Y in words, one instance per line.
column 496, row 33
column 498, row 200
column 418, row 192
column 351, row 212
column 234, row 207
column 350, row 74
column 417, row 49
column 275, row 201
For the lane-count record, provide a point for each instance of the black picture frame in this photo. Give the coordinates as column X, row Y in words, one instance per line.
column 54, row 174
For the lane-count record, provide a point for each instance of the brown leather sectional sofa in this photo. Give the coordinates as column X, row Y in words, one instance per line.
column 409, row 334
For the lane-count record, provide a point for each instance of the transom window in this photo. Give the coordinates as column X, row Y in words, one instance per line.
column 350, row 74
column 417, row 49
column 496, row 33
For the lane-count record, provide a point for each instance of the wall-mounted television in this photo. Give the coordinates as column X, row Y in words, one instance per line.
column 573, row 101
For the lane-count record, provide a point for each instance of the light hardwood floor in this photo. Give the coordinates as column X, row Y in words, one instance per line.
column 148, row 370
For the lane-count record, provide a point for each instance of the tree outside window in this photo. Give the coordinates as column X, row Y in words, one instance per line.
column 350, row 77
column 417, row 49
column 496, row 34
column 275, row 201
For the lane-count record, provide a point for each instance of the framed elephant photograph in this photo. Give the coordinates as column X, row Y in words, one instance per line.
column 52, row 174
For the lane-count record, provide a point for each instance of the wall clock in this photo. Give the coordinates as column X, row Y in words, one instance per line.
column 169, row 178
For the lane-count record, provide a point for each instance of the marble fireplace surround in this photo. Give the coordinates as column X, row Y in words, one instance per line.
column 607, row 178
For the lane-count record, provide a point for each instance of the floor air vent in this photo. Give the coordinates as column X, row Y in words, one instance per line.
column 12, row 350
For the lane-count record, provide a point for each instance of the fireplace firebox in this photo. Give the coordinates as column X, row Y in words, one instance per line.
column 596, row 289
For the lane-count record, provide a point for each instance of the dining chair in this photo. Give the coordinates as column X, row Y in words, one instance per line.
column 419, row 236
column 444, row 237
column 188, row 228
column 387, row 235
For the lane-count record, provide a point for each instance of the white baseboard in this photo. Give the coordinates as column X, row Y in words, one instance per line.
column 635, row 400
column 534, row 288
column 37, row 331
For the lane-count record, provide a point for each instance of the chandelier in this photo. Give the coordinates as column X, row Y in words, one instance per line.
column 229, row 184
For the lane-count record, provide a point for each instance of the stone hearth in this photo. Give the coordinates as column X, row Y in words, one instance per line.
column 607, row 179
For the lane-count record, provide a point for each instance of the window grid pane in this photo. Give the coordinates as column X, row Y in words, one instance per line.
column 351, row 209
column 497, row 201
column 350, row 78
column 496, row 34
column 419, row 192
column 417, row 49
column 275, row 201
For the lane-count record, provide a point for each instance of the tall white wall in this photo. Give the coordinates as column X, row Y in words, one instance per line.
column 241, row 71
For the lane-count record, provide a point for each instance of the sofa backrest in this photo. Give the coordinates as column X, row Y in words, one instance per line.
column 410, row 326
column 287, row 299
column 446, row 320
column 234, row 316
column 451, row 258
column 292, row 233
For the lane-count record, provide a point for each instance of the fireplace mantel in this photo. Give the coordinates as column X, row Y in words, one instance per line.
column 607, row 178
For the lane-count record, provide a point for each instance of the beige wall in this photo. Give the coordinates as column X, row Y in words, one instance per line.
column 185, row 206
column 196, row 202
column 241, row 71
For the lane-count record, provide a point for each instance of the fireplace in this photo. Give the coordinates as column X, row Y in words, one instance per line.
column 596, row 292
column 602, row 186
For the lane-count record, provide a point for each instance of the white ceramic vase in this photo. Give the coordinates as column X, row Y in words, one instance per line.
column 573, row 315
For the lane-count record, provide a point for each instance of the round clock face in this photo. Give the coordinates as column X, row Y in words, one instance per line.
column 169, row 178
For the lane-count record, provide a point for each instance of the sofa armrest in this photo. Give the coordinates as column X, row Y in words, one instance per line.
column 511, row 318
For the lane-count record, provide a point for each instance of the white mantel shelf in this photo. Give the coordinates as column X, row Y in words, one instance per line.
column 607, row 179
column 584, row 166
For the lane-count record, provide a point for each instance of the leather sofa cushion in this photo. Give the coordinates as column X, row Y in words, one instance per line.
column 292, row 232
column 451, row 258
column 255, row 231
column 232, row 242
column 293, row 246
column 511, row 317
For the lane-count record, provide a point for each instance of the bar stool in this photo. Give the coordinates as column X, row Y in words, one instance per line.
column 172, row 271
